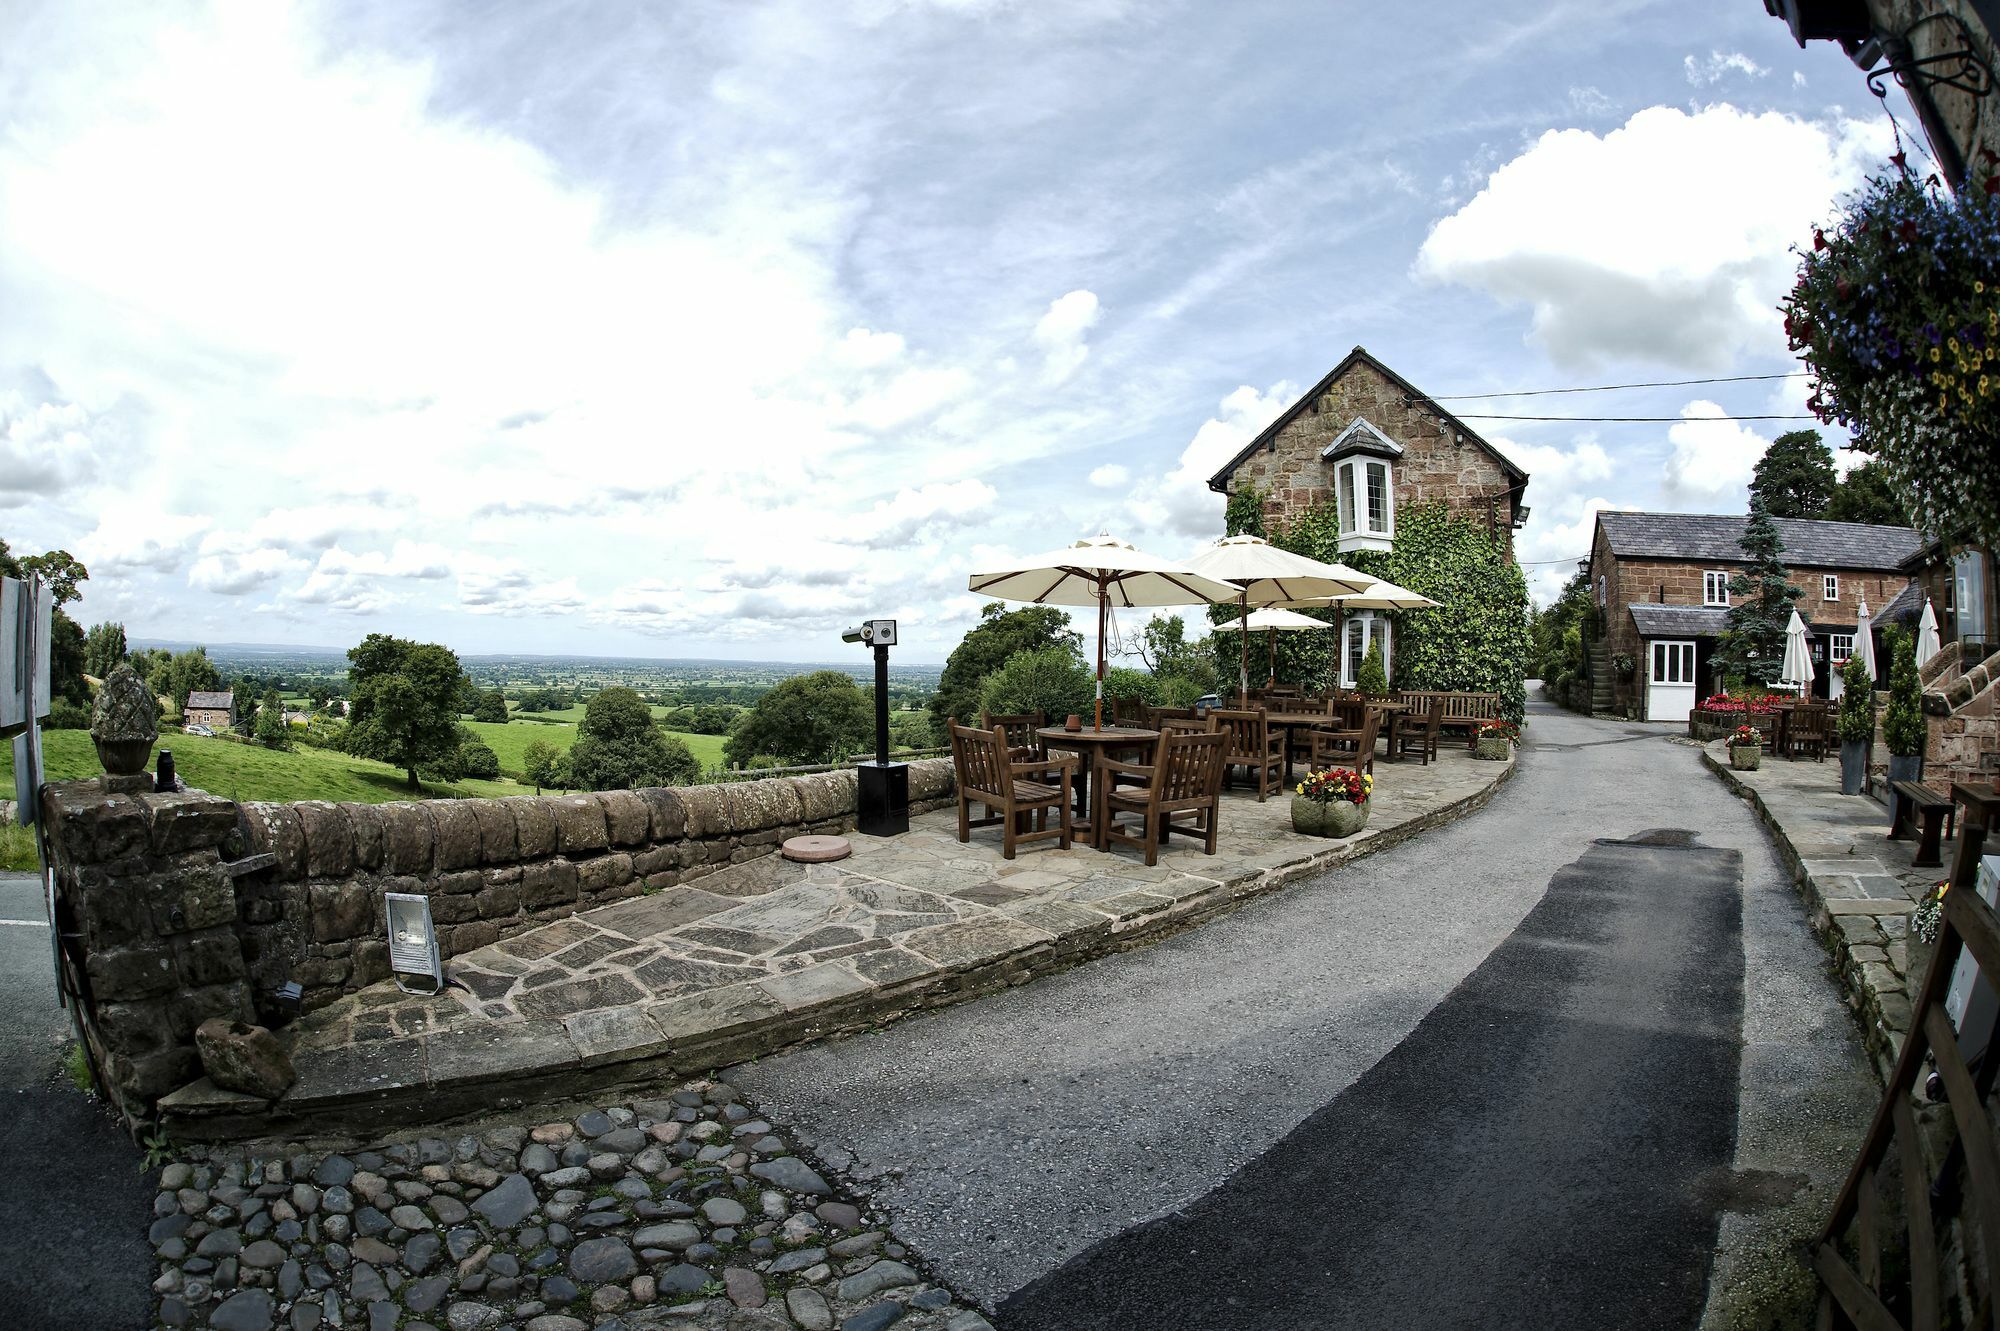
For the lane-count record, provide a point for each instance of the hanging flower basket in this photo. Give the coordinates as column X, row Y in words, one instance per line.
column 1332, row 802
column 1897, row 311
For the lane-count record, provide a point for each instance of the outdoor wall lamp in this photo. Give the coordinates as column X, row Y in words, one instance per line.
column 413, row 945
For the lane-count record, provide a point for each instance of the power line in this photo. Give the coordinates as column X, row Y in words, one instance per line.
column 1532, row 563
column 1672, row 420
column 1608, row 388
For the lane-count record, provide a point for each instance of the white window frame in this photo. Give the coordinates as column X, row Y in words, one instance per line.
column 1715, row 587
column 1673, row 661
column 1829, row 587
column 1839, row 648
column 1371, row 626
column 1358, row 528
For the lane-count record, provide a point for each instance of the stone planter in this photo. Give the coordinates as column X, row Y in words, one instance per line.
column 1853, row 766
column 1745, row 757
column 1493, row 748
column 1337, row 818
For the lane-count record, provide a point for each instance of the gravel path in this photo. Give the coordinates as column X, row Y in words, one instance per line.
column 1011, row 1135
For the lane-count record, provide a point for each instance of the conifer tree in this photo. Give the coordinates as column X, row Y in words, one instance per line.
column 1760, row 603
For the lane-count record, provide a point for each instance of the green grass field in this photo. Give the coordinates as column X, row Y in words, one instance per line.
column 252, row 772
column 508, row 742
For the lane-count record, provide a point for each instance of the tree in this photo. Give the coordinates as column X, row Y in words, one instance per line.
column 618, row 747
column 541, row 762
column 491, row 706
column 1904, row 729
column 1371, row 679
column 59, row 571
column 61, row 574
column 103, row 649
column 1132, row 685
column 816, row 718
column 476, row 757
column 1866, row 494
column 1795, row 477
column 1049, row 680
column 1164, row 647
column 184, row 673
column 271, row 730
column 1760, row 603
column 999, row 634
column 405, row 703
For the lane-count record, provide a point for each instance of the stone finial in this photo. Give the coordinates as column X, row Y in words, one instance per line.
column 124, row 722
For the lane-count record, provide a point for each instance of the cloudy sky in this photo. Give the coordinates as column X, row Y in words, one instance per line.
column 703, row 329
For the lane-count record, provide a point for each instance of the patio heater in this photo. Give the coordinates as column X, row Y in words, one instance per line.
column 882, row 794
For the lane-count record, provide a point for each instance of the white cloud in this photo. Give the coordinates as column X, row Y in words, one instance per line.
column 1712, row 459
column 1717, row 65
column 237, row 574
column 1060, row 333
column 1110, row 476
column 869, row 350
column 1666, row 240
column 898, row 521
column 1182, row 505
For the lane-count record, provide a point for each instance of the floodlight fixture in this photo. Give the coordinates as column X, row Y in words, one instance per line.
column 413, row 944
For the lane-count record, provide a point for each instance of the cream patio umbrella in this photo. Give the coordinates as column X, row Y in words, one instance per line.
column 1927, row 635
column 1264, row 575
column 1384, row 595
column 1273, row 621
column 1795, row 672
column 1105, row 572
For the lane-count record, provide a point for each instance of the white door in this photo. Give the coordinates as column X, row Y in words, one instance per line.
column 1670, row 681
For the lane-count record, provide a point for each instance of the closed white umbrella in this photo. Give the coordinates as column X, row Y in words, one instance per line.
column 1262, row 575
column 1927, row 635
column 1101, row 571
column 1864, row 639
column 1795, row 672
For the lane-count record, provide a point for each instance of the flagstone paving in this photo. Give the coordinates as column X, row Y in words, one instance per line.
column 765, row 953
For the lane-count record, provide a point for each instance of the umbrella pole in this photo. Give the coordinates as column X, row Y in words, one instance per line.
column 1271, row 656
column 1243, row 646
column 1103, row 601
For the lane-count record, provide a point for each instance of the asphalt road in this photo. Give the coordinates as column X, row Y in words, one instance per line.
column 1249, row 1101
column 73, row 1205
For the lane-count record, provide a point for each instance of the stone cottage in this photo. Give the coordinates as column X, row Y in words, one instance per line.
column 214, row 709
column 1369, row 442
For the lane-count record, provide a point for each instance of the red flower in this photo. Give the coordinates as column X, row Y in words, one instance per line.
column 1819, row 239
column 1899, row 160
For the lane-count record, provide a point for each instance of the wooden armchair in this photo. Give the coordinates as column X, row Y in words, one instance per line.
column 1298, row 739
column 1252, row 747
column 1156, row 715
column 1130, row 712
column 1179, row 791
column 1013, row 792
column 1019, row 733
column 1421, row 736
column 1348, row 748
column 1811, row 730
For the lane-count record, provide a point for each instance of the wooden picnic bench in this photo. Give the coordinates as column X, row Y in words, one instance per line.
column 1463, row 712
column 1936, row 812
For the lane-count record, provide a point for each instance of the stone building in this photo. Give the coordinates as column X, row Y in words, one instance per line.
column 1661, row 585
column 1369, row 442
column 216, row 710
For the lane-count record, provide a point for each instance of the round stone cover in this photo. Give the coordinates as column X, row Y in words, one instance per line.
column 816, row 849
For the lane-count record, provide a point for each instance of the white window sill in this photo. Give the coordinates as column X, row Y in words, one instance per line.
column 1355, row 540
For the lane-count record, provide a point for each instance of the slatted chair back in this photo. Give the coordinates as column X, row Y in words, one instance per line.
column 1348, row 713
column 1249, row 732
column 1187, row 769
column 1129, row 712
column 1811, row 726
column 1156, row 715
column 980, row 761
column 1898, row 1237
column 1187, row 725
column 1019, row 730
column 1348, row 748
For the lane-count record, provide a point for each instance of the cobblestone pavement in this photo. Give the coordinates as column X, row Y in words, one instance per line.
column 685, row 1211
column 769, row 939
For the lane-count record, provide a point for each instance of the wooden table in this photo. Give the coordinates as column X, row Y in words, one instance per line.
column 1396, row 711
column 1094, row 745
column 1982, row 806
column 1287, row 721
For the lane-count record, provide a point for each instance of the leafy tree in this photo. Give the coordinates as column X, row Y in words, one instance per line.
column 1049, row 680
column 103, row 648
column 183, row 673
column 66, row 640
column 1371, row 679
column 1795, row 477
column 405, row 703
column 1761, row 599
column 1904, row 729
column 1164, row 647
column 270, row 729
column 541, row 762
column 1558, row 632
column 618, row 747
column 816, row 718
column 476, row 757
column 59, row 571
column 1000, row 633
column 491, row 706
column 1866, row 494
column 1120, row 682
column 1856, row 721
column 151, row 666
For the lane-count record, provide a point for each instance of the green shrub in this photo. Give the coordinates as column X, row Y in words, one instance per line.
column 1121, row 682
column 1372, row 679
column 1904, row 729
column 1857, row 702
column 1049, row 680
column 65, row 715
column 477, row 759
column 1181, row 691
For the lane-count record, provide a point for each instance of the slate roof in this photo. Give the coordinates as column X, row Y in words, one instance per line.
column 1906, row 604
column 1220, row 481
column 222, row 701
column 1678, row 621
column 1719, row 537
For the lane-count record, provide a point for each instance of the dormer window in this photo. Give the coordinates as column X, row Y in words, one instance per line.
column 1364, row 485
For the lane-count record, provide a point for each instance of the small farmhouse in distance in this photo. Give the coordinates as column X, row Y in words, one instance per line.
column 216, row 710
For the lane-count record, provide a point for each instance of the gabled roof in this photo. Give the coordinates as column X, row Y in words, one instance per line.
column 1677, row 621
column 1361, row 436
column 1907, row 604
column 222, row 701
column 1718, row 537
column 1220, row 481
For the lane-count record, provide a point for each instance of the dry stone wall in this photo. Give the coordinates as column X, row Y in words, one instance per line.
column 185, row 906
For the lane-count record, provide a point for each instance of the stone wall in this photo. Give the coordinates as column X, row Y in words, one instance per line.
column 1438, row 463
column 185, row 906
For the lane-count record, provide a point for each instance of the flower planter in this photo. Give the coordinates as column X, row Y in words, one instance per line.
column 1853, row 766
column 1335, row 818
column 1745, row 757
column 1493, row 748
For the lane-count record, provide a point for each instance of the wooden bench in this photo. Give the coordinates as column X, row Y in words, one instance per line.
column 1462, row 711
column 1935, row 811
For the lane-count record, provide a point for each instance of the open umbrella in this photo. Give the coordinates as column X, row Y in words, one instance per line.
column 1262, row 574
column 1927, row 635
column 1864, row 639
column 1383, row 595
column 1105, row 572
column 1795, row 672
column 1273, row 621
